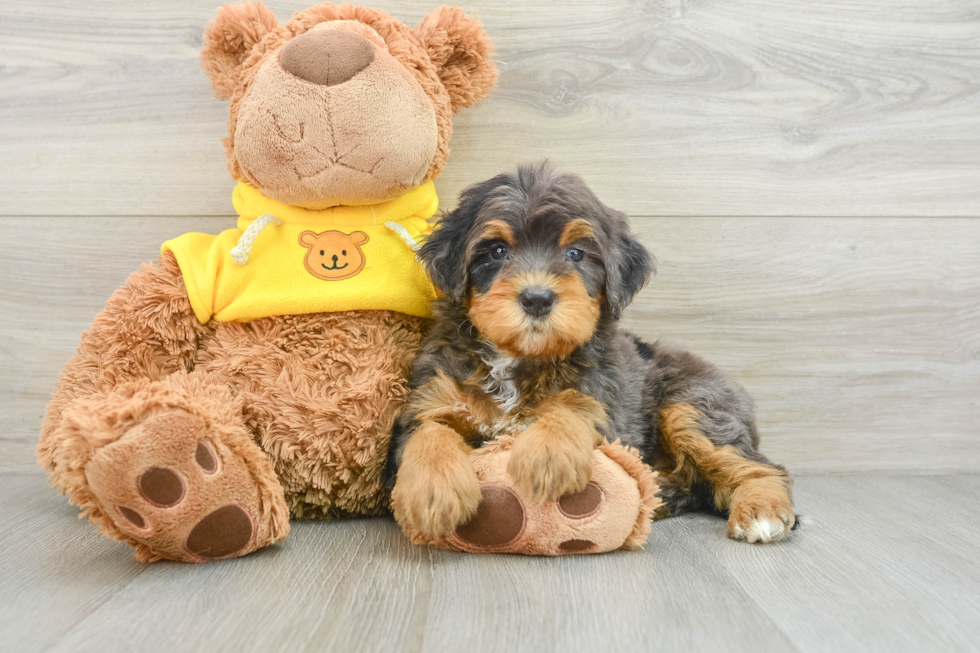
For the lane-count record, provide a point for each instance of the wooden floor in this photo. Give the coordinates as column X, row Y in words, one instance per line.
column 883, row 563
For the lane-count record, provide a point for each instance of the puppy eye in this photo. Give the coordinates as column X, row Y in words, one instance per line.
column 575, row 254
column 498, row 252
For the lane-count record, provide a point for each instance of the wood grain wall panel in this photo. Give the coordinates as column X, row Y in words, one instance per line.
column 668, row 107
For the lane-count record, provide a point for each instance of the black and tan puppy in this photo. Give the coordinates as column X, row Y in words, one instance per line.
column 536, row 272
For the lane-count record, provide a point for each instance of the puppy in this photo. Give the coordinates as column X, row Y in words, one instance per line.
column 536, row 272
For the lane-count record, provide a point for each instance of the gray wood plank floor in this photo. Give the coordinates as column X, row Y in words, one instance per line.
column 883, row 562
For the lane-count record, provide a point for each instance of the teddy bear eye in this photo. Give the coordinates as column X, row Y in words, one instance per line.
column 321, row 252
column 575, row 254
column 344, row 252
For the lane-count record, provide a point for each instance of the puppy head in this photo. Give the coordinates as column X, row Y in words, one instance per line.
column 535, row 259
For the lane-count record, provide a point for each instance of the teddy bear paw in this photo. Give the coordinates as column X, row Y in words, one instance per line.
column 171, row 485
column 600, row 516
column 608, row 512
column 501, row 521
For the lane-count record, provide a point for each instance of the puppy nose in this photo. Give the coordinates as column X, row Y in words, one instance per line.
column 326, row 57
column 537, row 301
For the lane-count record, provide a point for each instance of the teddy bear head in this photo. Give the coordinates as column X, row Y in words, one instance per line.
column 342, row 105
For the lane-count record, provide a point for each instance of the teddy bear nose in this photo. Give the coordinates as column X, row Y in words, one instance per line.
column 326, row 57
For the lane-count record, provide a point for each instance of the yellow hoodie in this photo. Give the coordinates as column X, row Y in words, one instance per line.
column 309, row 261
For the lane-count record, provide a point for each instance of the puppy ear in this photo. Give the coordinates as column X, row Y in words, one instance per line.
column 229, row 40
column 460, row 48
column 444, row 253
column 628, row 265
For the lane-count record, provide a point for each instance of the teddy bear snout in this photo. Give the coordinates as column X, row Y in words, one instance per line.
column 326, row 57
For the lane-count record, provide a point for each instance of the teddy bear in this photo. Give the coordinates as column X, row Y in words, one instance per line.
column 253, row 376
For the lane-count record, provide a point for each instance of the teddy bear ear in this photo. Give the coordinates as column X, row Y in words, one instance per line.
column 460, row 48
column 228, row 41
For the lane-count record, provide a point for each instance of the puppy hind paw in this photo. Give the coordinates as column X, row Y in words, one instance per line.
column 761, row 522
column 760, row 530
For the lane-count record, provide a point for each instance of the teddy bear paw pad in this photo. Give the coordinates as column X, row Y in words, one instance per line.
column 161, row 487
column 581, row 504
column 205, row 457
column 576, row 546
column 499, row 519
column 224, row 532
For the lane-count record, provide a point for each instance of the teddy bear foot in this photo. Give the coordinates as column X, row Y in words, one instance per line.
column 178, row 491
column 612, row 512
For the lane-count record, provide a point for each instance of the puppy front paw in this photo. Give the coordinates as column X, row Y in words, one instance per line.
column 761, row 511
column 434, row 494
column 545, row 463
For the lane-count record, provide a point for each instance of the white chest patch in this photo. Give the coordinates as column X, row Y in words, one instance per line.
column 500, row 383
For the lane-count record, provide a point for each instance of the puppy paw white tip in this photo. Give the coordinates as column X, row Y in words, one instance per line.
column 763, row 529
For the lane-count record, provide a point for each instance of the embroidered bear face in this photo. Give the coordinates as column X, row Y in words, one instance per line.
column 333, row 255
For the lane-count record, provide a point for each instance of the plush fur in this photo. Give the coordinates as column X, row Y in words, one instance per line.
column 198, row 441
column 536, row 273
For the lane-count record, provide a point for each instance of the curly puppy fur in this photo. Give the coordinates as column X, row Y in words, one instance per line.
column 536, row 272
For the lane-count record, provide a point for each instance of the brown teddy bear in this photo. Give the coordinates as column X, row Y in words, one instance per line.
column 254, row 375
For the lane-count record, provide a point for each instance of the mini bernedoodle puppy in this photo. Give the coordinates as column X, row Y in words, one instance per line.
column 536, row 272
